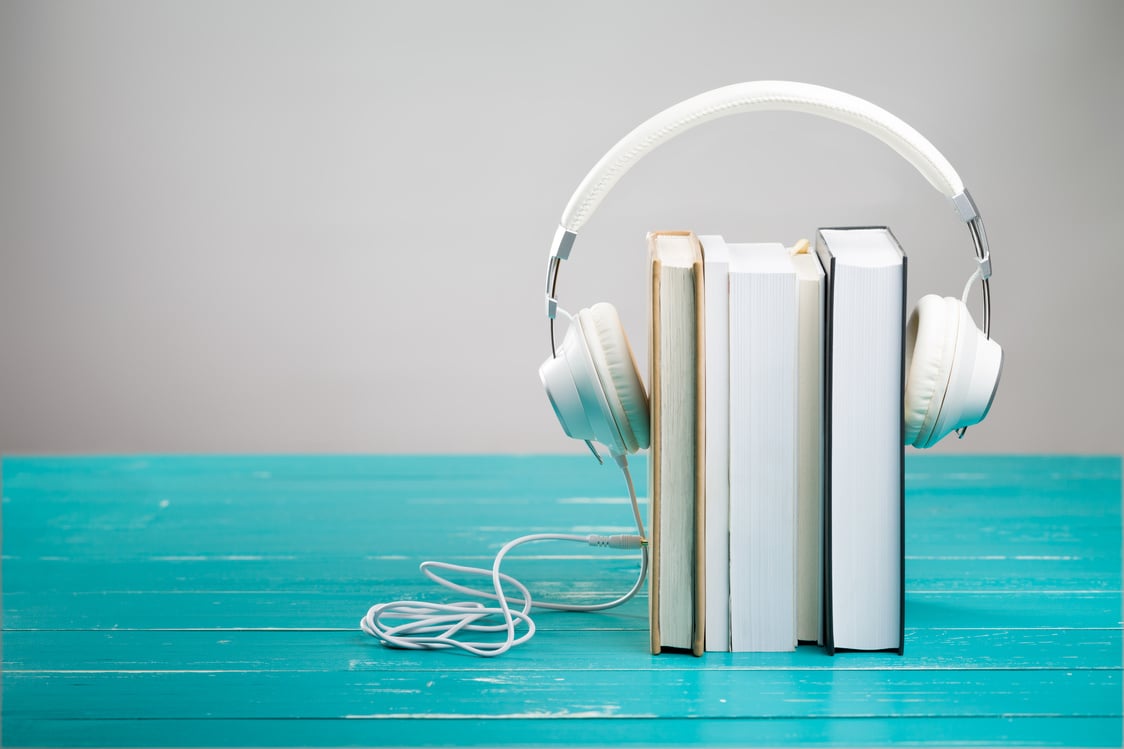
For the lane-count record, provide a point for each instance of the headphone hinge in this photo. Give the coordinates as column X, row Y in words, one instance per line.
column 559, row 250
column 965, row 206
column 562, row 244
column 985, row 267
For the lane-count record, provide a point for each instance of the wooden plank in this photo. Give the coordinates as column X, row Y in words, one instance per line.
column 554, row 649
column 573, row 730
column 441, row 694
column 930, row 468
column 1041, row 481
column 152, row 507
column 553, row 569
column 268, row 609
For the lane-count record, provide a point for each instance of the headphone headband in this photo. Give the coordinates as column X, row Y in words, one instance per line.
column 761, row 96
column 758, row 96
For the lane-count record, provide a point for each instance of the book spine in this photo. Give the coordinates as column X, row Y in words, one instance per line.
column 901, row 468
column 810, row 449
column 828, row 262
column 698, row 638
column 717, row 574
column 655, row 456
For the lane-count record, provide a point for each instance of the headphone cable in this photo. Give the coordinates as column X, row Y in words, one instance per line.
column 419, row 625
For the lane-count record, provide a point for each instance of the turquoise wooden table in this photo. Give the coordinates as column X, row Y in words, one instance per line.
column 215, row 601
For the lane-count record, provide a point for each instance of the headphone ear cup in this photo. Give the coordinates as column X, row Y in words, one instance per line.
column 569, row 381
column 930, row 341
column 616, row 369
column 952, row 371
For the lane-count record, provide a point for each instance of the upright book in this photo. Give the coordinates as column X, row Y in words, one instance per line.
column 676, row 591
column 810, row 295
column 716, row 282
column 763, row 358
column 864, row 553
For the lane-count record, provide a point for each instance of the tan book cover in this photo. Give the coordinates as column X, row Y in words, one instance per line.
column 685, row 456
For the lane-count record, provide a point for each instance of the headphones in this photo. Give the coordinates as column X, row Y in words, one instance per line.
column 952, row 366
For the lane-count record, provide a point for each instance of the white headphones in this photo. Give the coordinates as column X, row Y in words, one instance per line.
column 952, row 367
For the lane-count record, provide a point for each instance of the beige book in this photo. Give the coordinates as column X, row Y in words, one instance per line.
column 676, row 465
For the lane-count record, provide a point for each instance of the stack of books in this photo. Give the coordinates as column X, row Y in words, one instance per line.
column 776, row 470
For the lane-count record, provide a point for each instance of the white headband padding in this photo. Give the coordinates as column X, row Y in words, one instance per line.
column 758, row 96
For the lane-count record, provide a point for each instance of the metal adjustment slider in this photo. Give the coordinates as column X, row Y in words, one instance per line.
column 563, row 243
column 966, row 209
column 985, row 267
column 559, row 251
column 965, row 206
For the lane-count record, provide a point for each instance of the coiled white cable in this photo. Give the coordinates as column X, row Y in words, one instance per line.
column 417, row 625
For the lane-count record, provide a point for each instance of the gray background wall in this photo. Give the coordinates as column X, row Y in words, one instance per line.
column 322, row 226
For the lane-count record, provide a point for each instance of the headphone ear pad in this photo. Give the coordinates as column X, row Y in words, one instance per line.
column 620, row 377
column 930, row 348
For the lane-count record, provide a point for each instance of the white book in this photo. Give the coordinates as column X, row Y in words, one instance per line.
column 809, row 446
column 863, row 453
column 763, row 359
column 716, row 293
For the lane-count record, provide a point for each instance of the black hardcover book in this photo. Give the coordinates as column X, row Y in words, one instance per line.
column 864, row 456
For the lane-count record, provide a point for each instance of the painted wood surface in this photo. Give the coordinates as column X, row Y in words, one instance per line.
column 151, row 600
